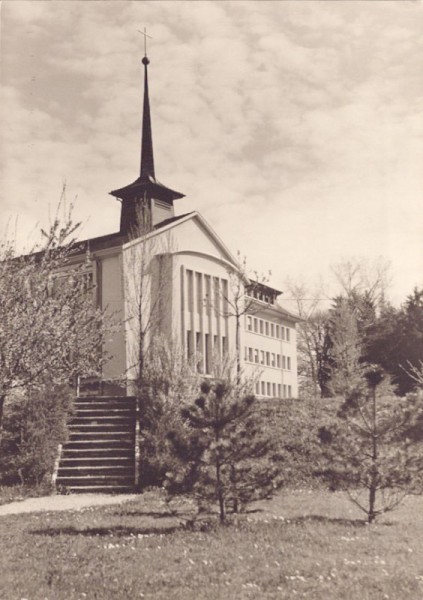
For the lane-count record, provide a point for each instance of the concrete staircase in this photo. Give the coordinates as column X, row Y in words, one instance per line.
column 100, row 453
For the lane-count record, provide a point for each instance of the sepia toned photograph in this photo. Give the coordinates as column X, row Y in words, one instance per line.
column 211, row 300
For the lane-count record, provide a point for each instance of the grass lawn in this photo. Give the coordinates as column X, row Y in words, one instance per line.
column 300, row 545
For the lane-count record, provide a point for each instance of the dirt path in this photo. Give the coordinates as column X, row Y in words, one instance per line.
column 58, row 502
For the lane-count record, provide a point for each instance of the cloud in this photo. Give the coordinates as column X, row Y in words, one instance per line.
column 294, row 127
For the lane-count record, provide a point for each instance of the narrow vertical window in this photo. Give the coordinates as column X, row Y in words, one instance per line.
column 208, row 291
column 288, row 334
column 249, row 324
column 288, row 363
column 255, row 325
column 278, row 361
column 272, row 330
column 261, row 326
column 190, row 290
column 225, row 296
column 269, row 392
column 279, row 390
column 207, row 352
column 250, row 354
column 263, row 388
column 277, row 331
column 266, row 327
column 274, row 389
column 200, row 298
column 289, row 391
column 216, row 295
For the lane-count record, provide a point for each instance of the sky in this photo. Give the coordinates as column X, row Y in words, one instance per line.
column 294, row 127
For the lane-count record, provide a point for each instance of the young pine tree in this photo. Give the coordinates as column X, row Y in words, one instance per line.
column 224, row 456
column 367, row 449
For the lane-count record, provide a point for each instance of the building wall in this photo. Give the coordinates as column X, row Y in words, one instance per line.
column 110, row 297
column 186, row 281
column 269, row 352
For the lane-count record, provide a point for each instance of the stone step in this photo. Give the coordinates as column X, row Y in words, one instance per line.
column 118, row 428
column 78, row 480
column 97, row 461
column 100, row 442
column 102, row 406
column 102, row 420
column 90, row 470
column 101, row 411
column 100, row 489
column 93, row 452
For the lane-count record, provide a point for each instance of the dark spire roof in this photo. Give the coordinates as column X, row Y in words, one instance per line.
column 146, row 184
column 147, row 158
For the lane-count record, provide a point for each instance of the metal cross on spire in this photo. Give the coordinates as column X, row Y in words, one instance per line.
column 145, row 34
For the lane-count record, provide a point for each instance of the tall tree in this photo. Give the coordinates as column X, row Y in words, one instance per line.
column 50, row 327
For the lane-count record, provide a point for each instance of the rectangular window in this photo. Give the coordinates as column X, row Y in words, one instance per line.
column 261, row 326
column 277, row 331
column 283, row 362
column 272, row 330
column 256, row 356
column 216, row 285
column 249, row 324
column 250, row 354
column 284, row 390
column 200, row 299
column 215, row 343
column 190, row 291
column 269, row 392
column 274, row 389
column 267, row 327
column 207, row 353
column 245, row 353
column 278, row 361
column 279, row 390
column 190, row 350
column 225, row 296
column 224, row 345
column 262, row 357
column 273, row 363
column 268, row 359
column 288, row 363
column 282, row 333
column 255, row 325
column 208, row 299
column 289, row 391
column 263, row 388
column 288, row 334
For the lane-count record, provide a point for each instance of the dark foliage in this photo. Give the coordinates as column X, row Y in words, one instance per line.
column 33, row 427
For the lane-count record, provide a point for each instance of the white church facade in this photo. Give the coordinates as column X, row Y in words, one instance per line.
column 187, row 276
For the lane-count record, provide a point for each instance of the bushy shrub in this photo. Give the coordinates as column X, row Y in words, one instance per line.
column 34, row 425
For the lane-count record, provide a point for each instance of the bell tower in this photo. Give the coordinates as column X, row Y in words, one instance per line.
column 145, row 202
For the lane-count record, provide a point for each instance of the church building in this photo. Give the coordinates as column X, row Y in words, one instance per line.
column 170, row 274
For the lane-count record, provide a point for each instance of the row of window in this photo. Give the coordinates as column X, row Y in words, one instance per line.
column 273, row 390
column 268, row 328
column 211, row 293
column 207, row 347
column 269, row 359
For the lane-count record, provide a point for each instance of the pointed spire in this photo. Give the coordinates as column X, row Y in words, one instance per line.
column 147, row 158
